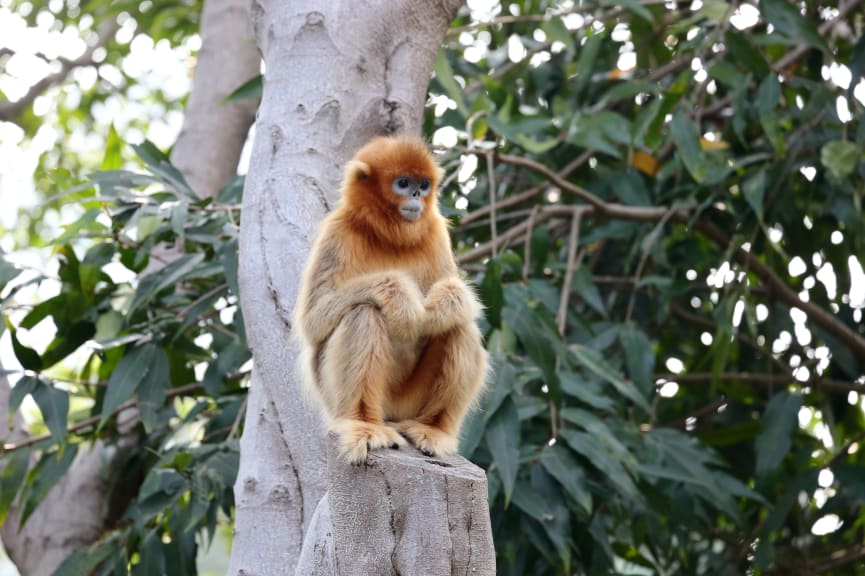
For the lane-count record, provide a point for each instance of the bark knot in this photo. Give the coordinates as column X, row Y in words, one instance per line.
column 315, row 19
column 275, row 139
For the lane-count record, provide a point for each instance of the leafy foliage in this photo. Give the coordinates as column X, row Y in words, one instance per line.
column 693, row 180
column 151, row 363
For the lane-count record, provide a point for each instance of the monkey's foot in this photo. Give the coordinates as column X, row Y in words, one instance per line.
column 357, row 437
column 428, row 439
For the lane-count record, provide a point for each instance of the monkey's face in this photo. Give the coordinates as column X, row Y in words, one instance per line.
column 390, row 190
column 411, row 193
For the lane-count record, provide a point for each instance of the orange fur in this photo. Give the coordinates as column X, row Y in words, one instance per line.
column 387, row 326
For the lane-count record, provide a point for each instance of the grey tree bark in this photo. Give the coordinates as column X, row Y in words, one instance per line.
column 207, row 152
column 402, row 513
column 337, row 74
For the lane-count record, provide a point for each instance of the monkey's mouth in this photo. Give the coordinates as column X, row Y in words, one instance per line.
column 410, row 213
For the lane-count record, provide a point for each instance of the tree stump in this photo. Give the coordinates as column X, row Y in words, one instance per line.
column 402, row 513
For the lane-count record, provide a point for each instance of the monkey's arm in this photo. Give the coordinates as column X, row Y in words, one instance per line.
column 448, row 304
column 324, row 299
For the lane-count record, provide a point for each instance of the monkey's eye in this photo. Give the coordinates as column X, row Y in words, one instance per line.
column 424, row 185
column 403, row 185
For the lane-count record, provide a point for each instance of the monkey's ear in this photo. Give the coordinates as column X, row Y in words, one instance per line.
column 357, row 170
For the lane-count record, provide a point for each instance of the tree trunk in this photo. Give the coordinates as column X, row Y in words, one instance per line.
column 337, row 74
column 402, row 513
column 214, row 132
column 206, row 152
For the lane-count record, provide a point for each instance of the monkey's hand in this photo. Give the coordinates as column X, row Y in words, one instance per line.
column 448, row 304
column 400, row 301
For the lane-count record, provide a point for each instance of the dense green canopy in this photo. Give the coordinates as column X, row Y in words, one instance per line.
column 661, row 204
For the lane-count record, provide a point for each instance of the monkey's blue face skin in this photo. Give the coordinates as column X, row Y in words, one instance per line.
column 412, row 190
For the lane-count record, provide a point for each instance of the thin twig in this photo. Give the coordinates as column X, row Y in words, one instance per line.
column 528, row 194
column 527, row 247
column 573, row 246
column 762, row 380
column 491, row 184
column 87, row 422
column 647, row 248
column 240, row 415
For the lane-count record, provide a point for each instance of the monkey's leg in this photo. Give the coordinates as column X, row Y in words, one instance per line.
column 451, row 373
column 355, row 368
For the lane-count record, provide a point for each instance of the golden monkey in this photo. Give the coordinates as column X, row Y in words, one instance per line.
column 389, row 343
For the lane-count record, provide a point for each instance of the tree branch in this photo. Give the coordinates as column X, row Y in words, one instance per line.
column 93, row 420
column 528, row 194
column 600, row 208
column 762, row 380
column 214, row 131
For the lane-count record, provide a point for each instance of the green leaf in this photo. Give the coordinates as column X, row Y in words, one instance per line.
column 604, row 131
column 777, row 426
column 27, row 357
column 587, row 391
column 491, row 292
column 67, row 342
column 152, row 389
column 129, row 373
column 48, row 471
column 588, row 446
column 715, row 10
column 767, row 101
column 585, row 287
column 159, row 164
column 536, row 147
column 25, row 386
column 85, row 561
column 565, row 468
column 54, row 405
column 472, row 432
column 787, row 20
column 857, row 66
column 504, row 376
column 538, row 337
column 744, row 53
column 113, row 158
column 11, row 476
column 586, row 64
column 152, row 561
column 840, row 157
column 557, row 32
column 229, row 359
column 639, row 356
column 444, row 75
column 91, row 268
column 593, row 361
column 229, row 264
column 8, row 272
column 533, row 503
column 688, row 146
column 754, row 190
column 503, row 442
column 252, row 88
column 167, row 276
column 199, row 501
